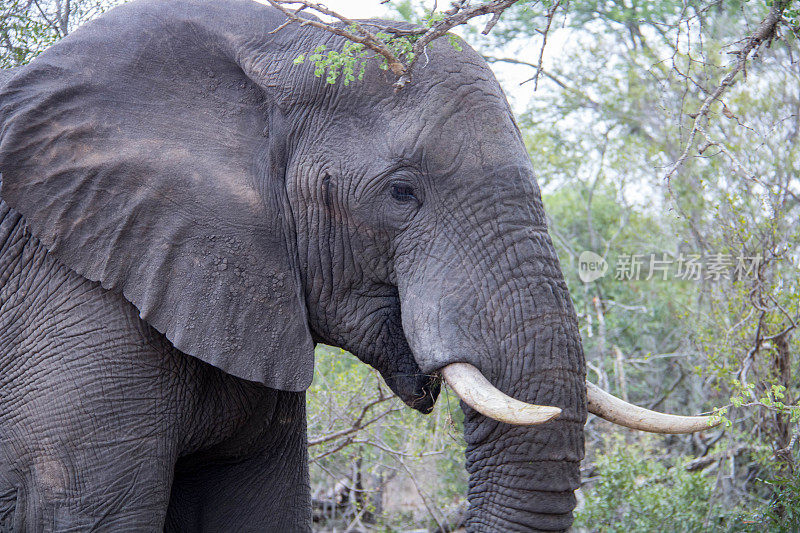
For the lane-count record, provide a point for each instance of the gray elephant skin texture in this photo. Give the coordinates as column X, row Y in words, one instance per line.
column 186, row 212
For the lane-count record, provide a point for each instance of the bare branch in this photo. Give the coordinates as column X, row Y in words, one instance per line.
column 550, row 14
column 50, row 23
column 358, row 424
column 456, row 17
column 763, row 34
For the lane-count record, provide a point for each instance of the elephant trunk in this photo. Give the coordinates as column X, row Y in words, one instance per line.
column 522, row 478
column 505, row 310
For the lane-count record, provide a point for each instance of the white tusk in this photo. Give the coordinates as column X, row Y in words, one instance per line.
column 622, row 413
column 476, row 391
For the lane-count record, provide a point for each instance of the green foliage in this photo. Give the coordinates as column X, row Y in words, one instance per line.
column 637, row 491
column 27, row 28
column 349, row 63
column 783, row 513
column 23, row 35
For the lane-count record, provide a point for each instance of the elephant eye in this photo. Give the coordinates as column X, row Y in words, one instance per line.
column 403, row 192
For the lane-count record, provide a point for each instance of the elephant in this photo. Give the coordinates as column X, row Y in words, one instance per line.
column 186, row 212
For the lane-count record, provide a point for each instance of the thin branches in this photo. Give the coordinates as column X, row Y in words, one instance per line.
column 53, row 24
column 378, row 36
column 358, row 424
column 549, row 17
column 763, row 34
column 355, row 32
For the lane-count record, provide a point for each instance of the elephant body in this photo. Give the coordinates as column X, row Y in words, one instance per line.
column 130, row 433
column 187, row 211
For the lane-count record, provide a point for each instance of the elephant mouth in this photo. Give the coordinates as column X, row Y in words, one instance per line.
column 417, row 390
column 477, row 392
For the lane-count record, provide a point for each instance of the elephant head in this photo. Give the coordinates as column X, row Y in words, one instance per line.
column 173, row 152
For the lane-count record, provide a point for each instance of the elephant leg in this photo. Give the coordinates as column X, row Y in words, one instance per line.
column 90, row 445
column 91, row 441
column 60, row 497
column 96, row 406
column 257, row 480
column 90, row 400
column 68, row 465
column 8, row 507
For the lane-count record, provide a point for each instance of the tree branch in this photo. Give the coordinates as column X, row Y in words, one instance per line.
column 50, row 23
column 358, row 32
column 358, row 424
column 362, row 36
column 550, row 14
column 763, row 34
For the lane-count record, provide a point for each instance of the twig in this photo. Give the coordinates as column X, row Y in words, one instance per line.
column 363, row 36
column 550, row 15
column 421, row 493
column 703, row 462
column 357, row 424
column 456, row 17
column 47, row 20
column 764, row 33
column 655, row 403
column 619, row 370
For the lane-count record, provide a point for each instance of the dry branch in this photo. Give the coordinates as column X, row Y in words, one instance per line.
column 358, row 424
column 551, row 13
column 763, row 34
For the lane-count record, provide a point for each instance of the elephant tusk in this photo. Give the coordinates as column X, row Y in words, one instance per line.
column 476, row 391
column 620, row 412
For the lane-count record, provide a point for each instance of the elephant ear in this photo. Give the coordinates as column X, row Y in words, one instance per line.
column 143, row 157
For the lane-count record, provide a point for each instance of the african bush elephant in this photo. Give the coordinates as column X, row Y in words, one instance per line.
column 186, row 212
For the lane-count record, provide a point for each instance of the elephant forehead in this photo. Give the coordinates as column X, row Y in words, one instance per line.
column 459, row 125
column 465, row 134
column 480, row 142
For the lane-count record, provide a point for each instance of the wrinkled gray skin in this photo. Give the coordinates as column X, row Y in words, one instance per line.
column 185, row 212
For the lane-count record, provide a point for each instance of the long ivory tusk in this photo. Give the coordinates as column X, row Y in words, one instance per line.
column 622, row 413
column 476, row 391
